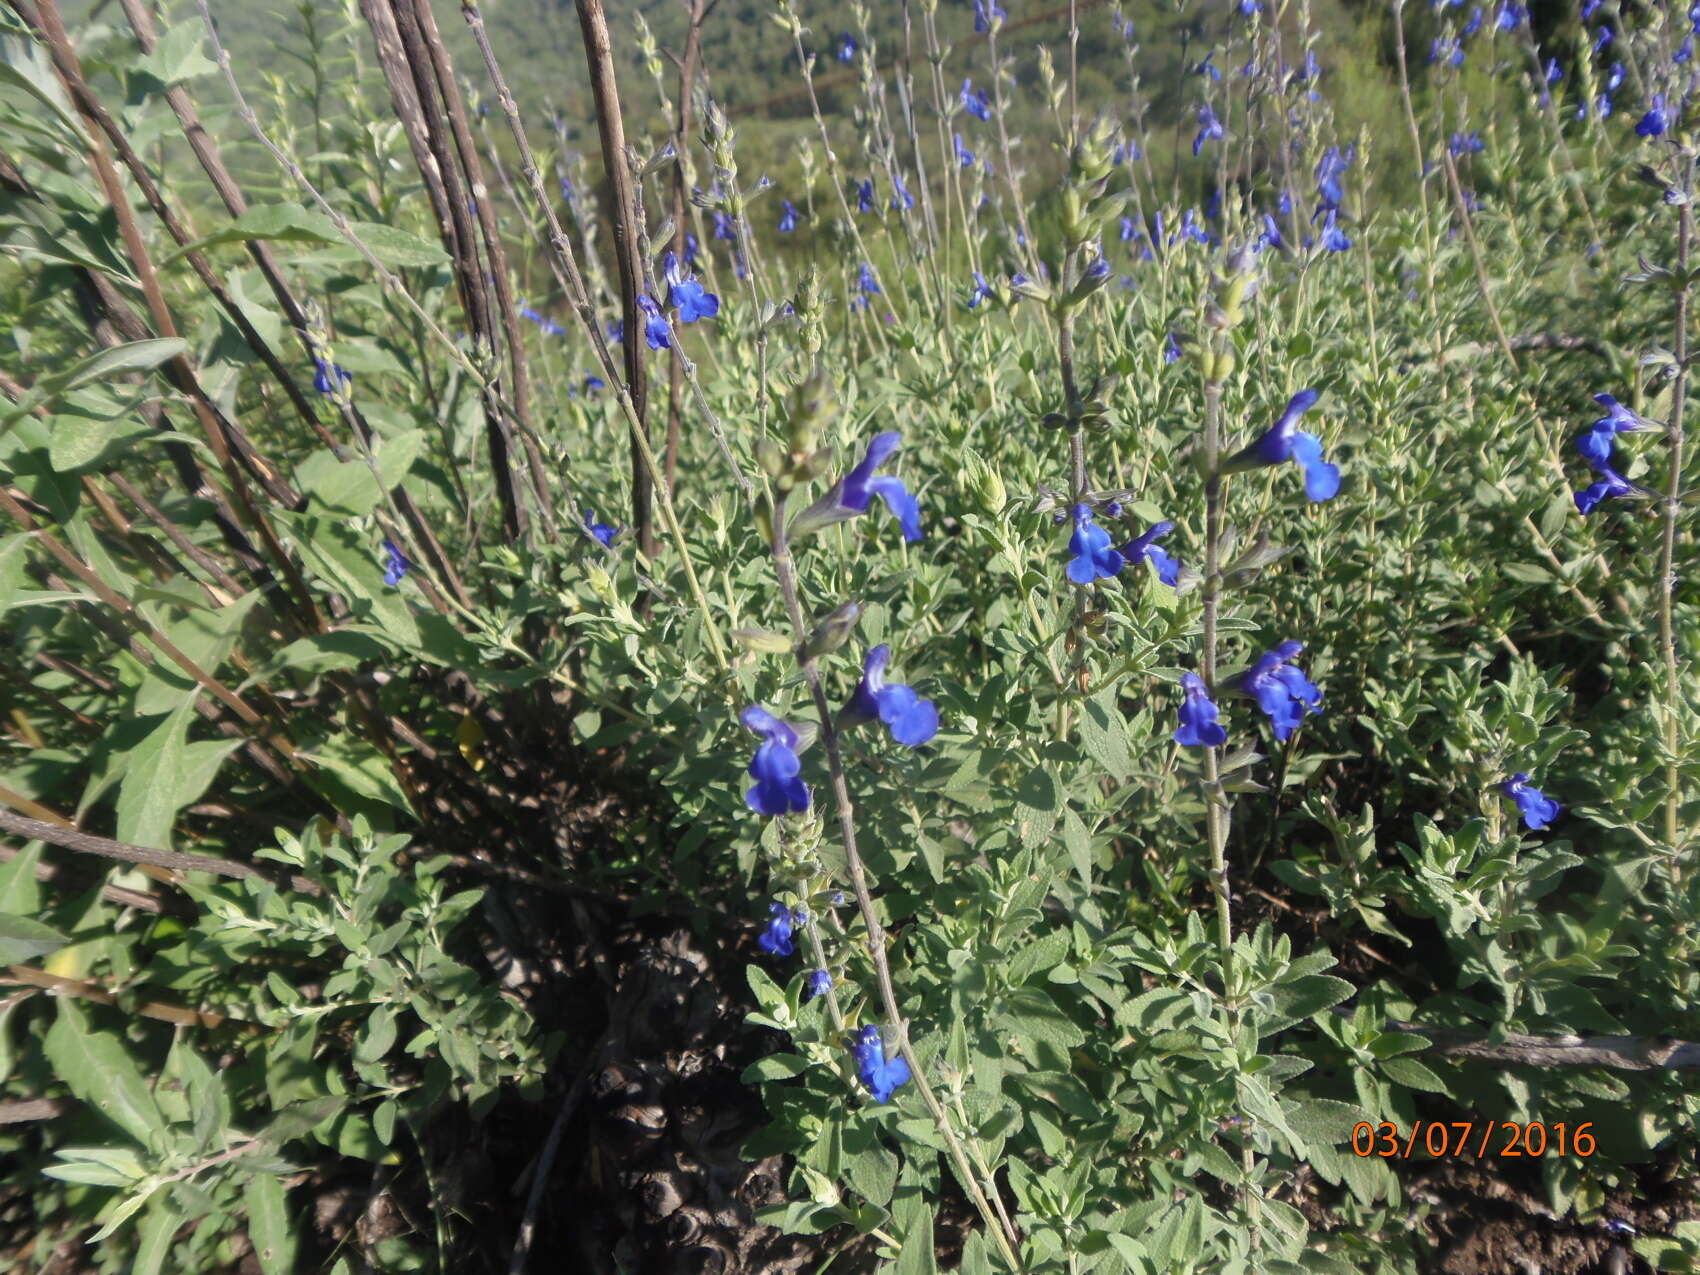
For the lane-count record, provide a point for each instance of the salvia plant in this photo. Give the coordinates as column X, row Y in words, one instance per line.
column 941, row 636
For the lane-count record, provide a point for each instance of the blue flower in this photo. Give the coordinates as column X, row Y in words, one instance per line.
column 865, row 196
column 1206, row 68
column 1144, row 547
column 601, row 530
column 776, row 940
column 1281, row 690
column 331, row 378
column 1209, row 128
column 852, row 494
column 911, row 720
column 1473, row 23
column 566, row 190
column 866, row 281
column 979, row 105
column 982, row 291
column 1590, row 7
column 964, row 156
column 692, row 300
column 787, row 216
column 1199, row 726
column 1281, row 442
column 1654, row 122
column 1508, row 17
column 549, row 326
column 692, row 247
column 1684, row 53
column 395, row 564
column 594, row 383
column 1610, row 483
column 1595, row 443
column 1441, row 49
column 1271, row 235
column 846, row 46
column 1602, row 38
column 1465, row 143
column 1090, row 555
column 883, row 1077
column 776, row 767
column 1171, row 349
column 902, row 196
column 616, row 329
column 986, row 12
column 724, row 227
column 1538, row 809
column 1614, row 77
column 820, row 982
column 1334, row 238
column 1329, row 170
column 655, row 329
column 1554, row 72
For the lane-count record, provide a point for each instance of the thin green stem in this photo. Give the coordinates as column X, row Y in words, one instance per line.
column 785, row 570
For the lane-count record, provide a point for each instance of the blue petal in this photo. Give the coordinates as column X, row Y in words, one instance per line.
column 1168, row 570
column 911, row 719
column 1595, row 445
column 903, row 506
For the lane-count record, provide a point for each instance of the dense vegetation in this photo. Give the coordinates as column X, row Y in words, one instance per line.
column 1055, row 642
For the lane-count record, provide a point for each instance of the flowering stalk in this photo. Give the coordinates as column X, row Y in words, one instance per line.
column 1218, row 362
column 785, row 570
column 1672, row 508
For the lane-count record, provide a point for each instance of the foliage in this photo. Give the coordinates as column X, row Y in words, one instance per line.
column 304, row 575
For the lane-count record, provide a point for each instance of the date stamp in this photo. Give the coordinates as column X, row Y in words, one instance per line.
column 1478, row 1139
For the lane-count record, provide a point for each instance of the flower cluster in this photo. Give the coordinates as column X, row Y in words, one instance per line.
column 1596, row 445
column 1281, row 690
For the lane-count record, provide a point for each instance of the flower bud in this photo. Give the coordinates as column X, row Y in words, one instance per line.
column 986, row 484
column 833, row 631
column 764, row 517
column 764, row 640
column 770, row 458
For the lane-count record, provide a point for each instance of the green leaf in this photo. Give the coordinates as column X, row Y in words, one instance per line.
column 916, row 1256
column 1103, row 731
column 25, row 63
column 268, row 1224
column 342, row 486
column 396, row 456
column 154, row 1234
column 1413, row 1075
column 1305, row 997
column 98, row 1069
column 23, row 938
column 1322, row 1121
column 277, row 223
column 147, row 795
column 398, row 248
column 177, row 56
column 1031, row 1012
column 122, row 1212
column 300, row 1118
column 775, row 1067
column 137, row 356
